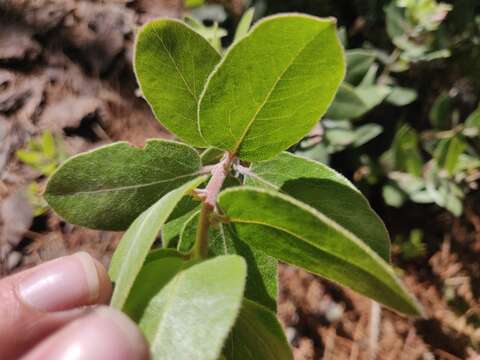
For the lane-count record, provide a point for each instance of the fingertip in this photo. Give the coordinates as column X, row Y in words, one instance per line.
column 103, row 334
column 130, row 331
column 66, row 283
column 36, row 302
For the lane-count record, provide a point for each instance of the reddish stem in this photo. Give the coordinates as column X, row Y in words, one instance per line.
column 219, row 174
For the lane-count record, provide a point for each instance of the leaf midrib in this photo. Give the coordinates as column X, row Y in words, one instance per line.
column 274, row 85
column 176, row 67
column 315, row 245
column 127, row 187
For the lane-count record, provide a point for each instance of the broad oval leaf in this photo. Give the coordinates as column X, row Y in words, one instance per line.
column 135, row 244
column 257, row 334
column 296, row 233
column 272, row 86
column 172, row 63
column 327, row 191
column 191, row 317
column 108, row 187
column 261, row 269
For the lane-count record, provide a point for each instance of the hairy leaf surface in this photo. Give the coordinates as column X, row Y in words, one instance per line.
column 172, row 63
column 135, row 244
column 296, row 233
column 191, row 317
column 272, row 86
column 107, row 188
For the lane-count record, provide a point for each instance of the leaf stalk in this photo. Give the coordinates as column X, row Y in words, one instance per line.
column 219, row 174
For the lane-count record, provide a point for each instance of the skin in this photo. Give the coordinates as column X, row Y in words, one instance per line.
column 56, row 311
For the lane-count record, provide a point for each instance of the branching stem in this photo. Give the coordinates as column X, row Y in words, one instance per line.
column 219, row 174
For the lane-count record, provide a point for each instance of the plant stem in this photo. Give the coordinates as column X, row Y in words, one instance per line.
column 219, row 174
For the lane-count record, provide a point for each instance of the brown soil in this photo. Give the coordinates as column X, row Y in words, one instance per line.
column 66, row 68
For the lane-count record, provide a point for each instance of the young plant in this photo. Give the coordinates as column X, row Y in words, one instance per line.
column 42, row 154
column 228, row 213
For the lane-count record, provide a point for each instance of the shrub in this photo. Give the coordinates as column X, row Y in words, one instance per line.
column 229, row 201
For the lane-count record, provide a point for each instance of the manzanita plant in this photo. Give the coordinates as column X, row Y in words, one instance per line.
column 229, row 201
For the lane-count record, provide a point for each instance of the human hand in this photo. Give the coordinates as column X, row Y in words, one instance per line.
column 49, row 312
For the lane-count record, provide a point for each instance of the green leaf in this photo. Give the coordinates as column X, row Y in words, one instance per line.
column 298, row 234
column 448, row 152
column 32, row 158
column 395, row 21
column 473, row 120
column 107, row 188
column 401, row 96
column 370, row 77
column 172, row 63
column 285, row 167
column 257, row 334
column 358, row 63
column 365, row 133
column 261, row 269
column 405, row 151
column 338, row 138
column 213, row 33
column 347, row 104
column 48, row 145
column 135, row 244
column 285, row 71
column 328, row 192
column 372, row 95
column 172, row 229
column 351, row 103
column 244, row 24
column 153, row 276
column 191, row 317
column 441, row 112
column 445, row 193
column 392, row 195
column 211, row 156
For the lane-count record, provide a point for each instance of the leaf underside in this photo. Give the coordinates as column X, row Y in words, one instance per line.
column 191, row 317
